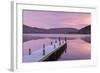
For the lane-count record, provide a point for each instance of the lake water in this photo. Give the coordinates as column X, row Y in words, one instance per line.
column 78, row 45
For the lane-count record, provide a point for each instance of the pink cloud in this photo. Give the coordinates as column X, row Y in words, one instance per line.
column 51, row 19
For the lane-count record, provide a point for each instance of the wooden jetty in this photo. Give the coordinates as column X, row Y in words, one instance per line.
column 48, row 53
column 55, row 54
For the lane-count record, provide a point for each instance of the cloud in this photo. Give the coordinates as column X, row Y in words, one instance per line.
column 51, row 19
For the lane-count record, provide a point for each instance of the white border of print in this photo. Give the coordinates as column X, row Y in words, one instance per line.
column 16, row 59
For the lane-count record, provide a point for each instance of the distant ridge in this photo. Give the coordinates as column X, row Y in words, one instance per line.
column 35, row 30
column 27, row 29
column 85, row 30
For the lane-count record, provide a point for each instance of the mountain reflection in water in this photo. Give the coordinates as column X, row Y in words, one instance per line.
column 78, row 46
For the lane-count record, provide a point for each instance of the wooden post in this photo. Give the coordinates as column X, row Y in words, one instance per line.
column 66, row 44
column 59, row 41
column 51, row 43
column 59, row 38
column 62, row 41
column 29, row 51
column 43, row 49
column 55, row 41
column 54, row 46
column 65, row 39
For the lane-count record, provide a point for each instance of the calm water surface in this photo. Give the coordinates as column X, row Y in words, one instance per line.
column 78, row 45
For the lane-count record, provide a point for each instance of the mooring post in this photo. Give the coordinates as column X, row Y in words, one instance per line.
column 54, row 46
column 66, row 44
column 55, row 41
column 65, row 39
column 43, row 49
column 29, row 51
column 59, row 38
column 59, row 41
column 51, row 43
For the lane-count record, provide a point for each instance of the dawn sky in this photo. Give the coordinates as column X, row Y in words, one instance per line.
column 53, row 19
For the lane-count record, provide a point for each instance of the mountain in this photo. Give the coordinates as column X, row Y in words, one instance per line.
column 63, row 30
column 85, row 30
column 27, row 29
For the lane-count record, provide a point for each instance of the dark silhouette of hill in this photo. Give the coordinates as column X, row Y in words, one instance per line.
column 85, row 30
column 27, row 29
column 63, row 30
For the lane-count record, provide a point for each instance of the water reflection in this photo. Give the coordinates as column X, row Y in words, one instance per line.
column 78, row 46
column 77, row 49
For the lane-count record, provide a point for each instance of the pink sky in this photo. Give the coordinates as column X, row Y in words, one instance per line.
column 53, row 19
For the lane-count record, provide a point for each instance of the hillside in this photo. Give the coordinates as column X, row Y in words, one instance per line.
column 27, row 29
column 85, row 30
